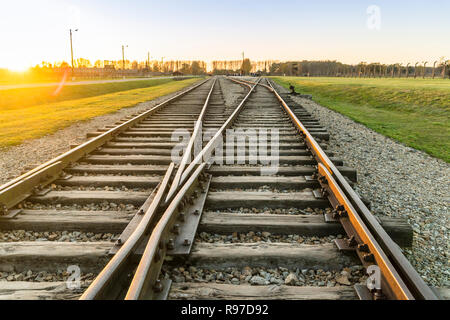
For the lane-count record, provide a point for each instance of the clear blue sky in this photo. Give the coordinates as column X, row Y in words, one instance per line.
column 33, row 31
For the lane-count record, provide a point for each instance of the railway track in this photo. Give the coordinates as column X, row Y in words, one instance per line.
column 70, row 210
column 261, row 211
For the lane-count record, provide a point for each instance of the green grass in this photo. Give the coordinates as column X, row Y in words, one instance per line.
column 415, row 112
column 22, row 121
column 23, row 97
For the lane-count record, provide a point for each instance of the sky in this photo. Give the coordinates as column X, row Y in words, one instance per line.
column 350, row 31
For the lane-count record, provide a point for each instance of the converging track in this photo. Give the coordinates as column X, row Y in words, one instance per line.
column 274, row 218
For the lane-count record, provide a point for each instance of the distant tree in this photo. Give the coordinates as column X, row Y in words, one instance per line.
column 185, row 68
column 196, row 68
column 246, row 66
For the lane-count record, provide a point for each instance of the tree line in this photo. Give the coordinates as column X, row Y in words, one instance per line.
column 118, row 68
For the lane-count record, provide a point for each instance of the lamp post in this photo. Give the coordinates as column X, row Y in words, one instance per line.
column 71, row 48
column 123, row 59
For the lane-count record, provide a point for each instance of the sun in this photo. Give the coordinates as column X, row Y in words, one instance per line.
column 17, row 66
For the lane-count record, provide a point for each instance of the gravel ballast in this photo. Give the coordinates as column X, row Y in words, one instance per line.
column 399, row 181
column 263, row 276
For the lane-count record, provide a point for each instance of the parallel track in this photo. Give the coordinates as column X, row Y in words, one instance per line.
column 285, row 226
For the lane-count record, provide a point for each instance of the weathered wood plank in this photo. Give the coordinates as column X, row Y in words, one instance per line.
column 235, row 199
column 165, row 145
column 59, row 220
column 53, row 256
column 133, row 159
column 124, row 169
column 304, row 225
column 270, row 255
column 111, row 181
column 215, row 291
column 24, row 290
column 85, row 197
column 257, row 181
column 286, row 171
column 125, row 151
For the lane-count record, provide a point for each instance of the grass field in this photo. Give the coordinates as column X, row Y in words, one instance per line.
column 34, row 112
column 24, row 97
column 415, row 112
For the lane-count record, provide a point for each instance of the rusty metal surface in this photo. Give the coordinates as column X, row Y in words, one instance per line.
column 394, row 287
column 189, row 220
column 206, row 152
column 132, row 225
column 145, row 284
column 99, row 287
column 188, row 152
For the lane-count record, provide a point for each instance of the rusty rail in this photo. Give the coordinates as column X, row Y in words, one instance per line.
column 402, row 280
column 99, row 289
column 205, row 154
column 140, row 287
column 196, row 135
column 145, row 284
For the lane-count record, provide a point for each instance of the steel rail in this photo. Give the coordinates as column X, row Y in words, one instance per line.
column 99, row 287
column 205, row 154
column 18, row 189
column 399, row 288
column 250, row 82
column 412, row 279
column 188, row 151
column 144, row 284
